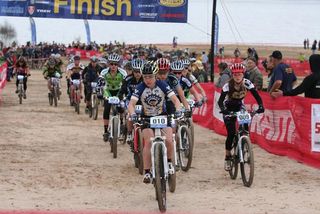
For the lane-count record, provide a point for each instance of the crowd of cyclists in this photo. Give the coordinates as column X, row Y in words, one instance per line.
column 162, row 83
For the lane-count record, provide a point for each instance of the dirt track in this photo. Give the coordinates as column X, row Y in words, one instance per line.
column 53, row 159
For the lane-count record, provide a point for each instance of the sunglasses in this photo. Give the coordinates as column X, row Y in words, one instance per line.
column 113, row 64
column 177, row 72
column 136, row 71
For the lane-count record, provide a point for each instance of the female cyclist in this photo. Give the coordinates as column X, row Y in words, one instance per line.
column 231, row 100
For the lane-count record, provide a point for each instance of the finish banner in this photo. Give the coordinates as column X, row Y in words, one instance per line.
column 121, row 10
column 290, row 126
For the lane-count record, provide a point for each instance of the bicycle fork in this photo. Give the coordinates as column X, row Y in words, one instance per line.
column 240, row 149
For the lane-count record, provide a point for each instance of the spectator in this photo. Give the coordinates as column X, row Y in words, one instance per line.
column 225, row 74
column 319, row 45
column 305, row 44
column 204, row 59
column 268, row 66
column 251, row 52
column 236, row 53
column 314, row 47
column 199, row 72
column 253, row 73
column 283, row 77
column 310, row 86
column 301, row 57
column 221, row 52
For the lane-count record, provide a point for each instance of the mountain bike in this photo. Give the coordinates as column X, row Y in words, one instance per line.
column 75, row 96
column 159, row 166
column 21, row 91
column 93, row 109
column 184, row 143
column 54, row 94
column 137, row 144
column 242, row 152
column 114, row 124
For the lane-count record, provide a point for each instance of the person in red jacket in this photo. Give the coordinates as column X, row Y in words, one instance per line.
column 21, row 68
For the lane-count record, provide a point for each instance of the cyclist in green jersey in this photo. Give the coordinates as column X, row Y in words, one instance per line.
column 113, row 77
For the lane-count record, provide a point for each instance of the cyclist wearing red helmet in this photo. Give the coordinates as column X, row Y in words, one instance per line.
column 231, row 99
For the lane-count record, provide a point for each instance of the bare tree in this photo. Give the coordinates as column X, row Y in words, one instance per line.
column 7, row 33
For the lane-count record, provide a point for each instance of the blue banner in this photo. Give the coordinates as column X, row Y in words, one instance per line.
column 86, row 24
column 121, row 10
column 33, row 31
column 216, row 30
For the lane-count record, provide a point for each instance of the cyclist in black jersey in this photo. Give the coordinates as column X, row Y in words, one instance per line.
column 128, row 86
column 231, row 99
column 173, row 82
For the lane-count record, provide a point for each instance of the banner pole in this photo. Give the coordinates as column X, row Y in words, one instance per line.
column 213, row 38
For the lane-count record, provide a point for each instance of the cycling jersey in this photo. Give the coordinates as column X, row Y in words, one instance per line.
column 128, row 86
column 113, row 83
column 75, row 70
column 152, row 99
column 235, row 97
column 50, row 72
column 193, row 79
column 173, row 82
column 185, row 85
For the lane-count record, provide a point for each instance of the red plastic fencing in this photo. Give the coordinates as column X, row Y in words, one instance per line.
column 290, row 126
column 84, row 54
column 3, row 76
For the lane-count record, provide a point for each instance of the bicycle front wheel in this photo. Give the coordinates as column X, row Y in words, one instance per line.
column 247, row 166
column 160, row 181
column 115, row 123
column 233, row 172
column 185, row 148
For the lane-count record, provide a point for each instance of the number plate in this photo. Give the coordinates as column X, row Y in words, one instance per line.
column 20, row 77
column 54, row 80
column 243, row 118
column 113, row 100
column 158, row 122
column 57, row 75
column 138, row 109
column 93, row 84
column 76, row 82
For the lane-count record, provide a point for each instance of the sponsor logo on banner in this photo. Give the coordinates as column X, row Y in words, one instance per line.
column 315, row 127
column 172, row 3
column 31, row 9
column 275, row 125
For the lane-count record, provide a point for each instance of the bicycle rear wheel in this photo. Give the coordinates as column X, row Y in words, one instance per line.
column 115, row 123
column 50, row 99
column 247, row 167
column 95, row 107
column 55, row 98
column 140, row 152
column 160, row 181
column 185, row 148
column 233, row 172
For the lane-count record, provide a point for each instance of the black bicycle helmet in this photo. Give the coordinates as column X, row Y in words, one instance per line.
column 150, row 67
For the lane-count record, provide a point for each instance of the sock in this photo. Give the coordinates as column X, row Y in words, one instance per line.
column 105, row 129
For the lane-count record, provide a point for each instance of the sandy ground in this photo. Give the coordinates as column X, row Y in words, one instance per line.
column 53, row 159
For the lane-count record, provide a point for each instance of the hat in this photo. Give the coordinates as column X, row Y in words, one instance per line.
column 94, row 59
column 276, row 55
